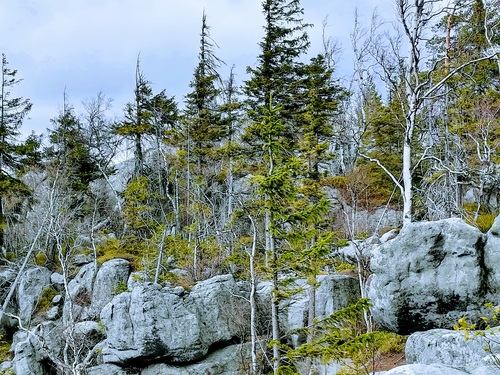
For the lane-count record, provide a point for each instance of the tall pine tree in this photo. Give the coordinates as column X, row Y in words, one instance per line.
column 13, row 155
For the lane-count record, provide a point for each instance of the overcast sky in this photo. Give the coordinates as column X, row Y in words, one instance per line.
column 88, row 46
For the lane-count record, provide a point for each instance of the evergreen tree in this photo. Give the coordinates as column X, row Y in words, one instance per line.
column 70, row 155
column 137, row 124
column 14, row 157
column 277, row 73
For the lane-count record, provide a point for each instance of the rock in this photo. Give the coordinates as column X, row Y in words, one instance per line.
column 136, row 278
column 26, row 361
column 83, row 259
column 486, row 370
column 429, row 276
column 57, row 300
column 30, row 350
column 418, row 369
column 110, row 276
column 87, row 334
column 80, row 291
column 31, row 284
column 57, row 281
column 449, row 348
column 231, row 360
column 150, row 323
column 492, row 259
column 53, row 313
column 333, row 294
column 108, row 369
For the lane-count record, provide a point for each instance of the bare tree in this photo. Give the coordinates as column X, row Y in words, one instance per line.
column 402, row 61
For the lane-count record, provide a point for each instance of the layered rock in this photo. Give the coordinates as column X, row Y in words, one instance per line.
column 231, row 360
column 153, row 323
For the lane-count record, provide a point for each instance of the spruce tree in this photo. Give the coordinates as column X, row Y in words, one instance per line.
column 277, row 73
column 137, row 124
column 14, row 156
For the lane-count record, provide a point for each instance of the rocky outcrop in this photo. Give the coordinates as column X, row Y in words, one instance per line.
column 110, row 277
column 451, row 348
column 231, row 360
column 419, row 369
column 153, row 323
column 429, row 276
column 31, row 284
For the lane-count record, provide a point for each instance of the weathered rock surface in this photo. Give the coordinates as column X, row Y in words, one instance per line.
column 429, row 276
column 80, row 292
column 108, row 279
column 450, row 348
column 152, row 323
column 418, row 369
column 108, row 369
column 31, row 284
column 231, row 360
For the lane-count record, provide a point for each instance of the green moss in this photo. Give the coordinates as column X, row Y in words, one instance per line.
column 121, row 287
column 45, row 301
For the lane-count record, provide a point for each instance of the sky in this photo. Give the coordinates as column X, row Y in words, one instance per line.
column 83, row 47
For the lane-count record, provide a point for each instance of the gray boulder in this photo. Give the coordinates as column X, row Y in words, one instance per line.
column 57, row 281
column 231, row 360
column 486, row 370
column 151, row 324
column 418, row 369
column 31, row 284
column 26, row 359
column 429, row 276
column 450, row 348
column 109, row 277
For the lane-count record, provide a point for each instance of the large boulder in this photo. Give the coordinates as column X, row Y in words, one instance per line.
column 108, row 281
column 231, row 360
column 451, row 348
column 151, row 323
column 429, row 276
column 418, row 369
column 31, row 284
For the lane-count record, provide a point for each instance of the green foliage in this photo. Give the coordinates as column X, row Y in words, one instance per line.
column 40, row 259
column 341, row 337
column 112, row 248
column 485, row 222
column 5, row 354
column 489, row 336
column 121, row 287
